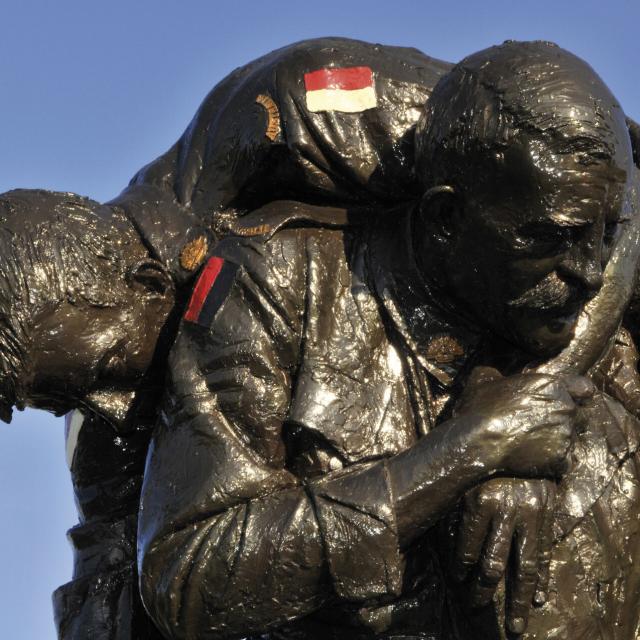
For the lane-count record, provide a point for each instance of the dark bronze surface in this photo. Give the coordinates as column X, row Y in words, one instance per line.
column 373, row 317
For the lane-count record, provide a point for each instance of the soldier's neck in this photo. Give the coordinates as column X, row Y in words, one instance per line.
column 404, row 274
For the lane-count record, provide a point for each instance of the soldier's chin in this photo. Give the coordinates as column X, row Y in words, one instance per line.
column 543, row 335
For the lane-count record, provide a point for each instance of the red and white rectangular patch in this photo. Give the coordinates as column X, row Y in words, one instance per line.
column 349, row 89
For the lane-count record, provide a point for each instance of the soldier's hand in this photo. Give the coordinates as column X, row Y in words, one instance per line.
column 617, row 376
column 506, row 528
column 523, row 424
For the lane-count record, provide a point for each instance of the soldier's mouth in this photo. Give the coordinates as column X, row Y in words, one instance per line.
column 561, row 318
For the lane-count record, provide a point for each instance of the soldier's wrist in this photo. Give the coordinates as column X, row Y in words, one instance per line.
column 431, row 476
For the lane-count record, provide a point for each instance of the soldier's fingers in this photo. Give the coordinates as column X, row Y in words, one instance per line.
column 613, row 428
column 495, row 557
column 631, row 427
column 480, row 375
column 474, row 527
column 621, row 429
column 545, row 545
column 477, row 378
column 521, row 582
column 579, row 387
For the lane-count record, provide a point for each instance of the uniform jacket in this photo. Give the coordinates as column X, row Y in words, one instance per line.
column 266, row 496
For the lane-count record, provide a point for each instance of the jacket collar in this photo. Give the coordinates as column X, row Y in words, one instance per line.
column 438, row 338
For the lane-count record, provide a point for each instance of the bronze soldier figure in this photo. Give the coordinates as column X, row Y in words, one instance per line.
column 242, row 168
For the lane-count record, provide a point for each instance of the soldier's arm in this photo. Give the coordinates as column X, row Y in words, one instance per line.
column 231, row 542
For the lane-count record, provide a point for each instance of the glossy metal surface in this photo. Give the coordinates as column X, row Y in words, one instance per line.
column 344, row 445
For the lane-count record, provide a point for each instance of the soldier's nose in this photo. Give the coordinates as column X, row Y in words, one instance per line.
column 586, row 273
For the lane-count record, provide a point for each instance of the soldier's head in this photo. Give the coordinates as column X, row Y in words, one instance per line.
column 528, row 159
column 81, row 302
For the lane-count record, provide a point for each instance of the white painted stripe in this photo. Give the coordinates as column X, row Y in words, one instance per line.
column 349, row 101
column 73, row 431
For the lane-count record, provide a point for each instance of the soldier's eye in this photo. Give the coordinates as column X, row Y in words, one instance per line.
column 547, row 238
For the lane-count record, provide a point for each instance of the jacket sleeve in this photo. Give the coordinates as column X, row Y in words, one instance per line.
column 230, row 542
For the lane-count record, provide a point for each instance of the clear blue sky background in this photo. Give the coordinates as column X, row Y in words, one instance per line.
column 91, row 91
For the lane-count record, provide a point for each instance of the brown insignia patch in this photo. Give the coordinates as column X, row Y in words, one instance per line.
column 444, row 349
column 193, row 253
column 273, row 122
column 258, row 230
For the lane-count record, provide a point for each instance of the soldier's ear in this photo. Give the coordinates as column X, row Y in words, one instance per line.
column 151, row 277
column 439, row 209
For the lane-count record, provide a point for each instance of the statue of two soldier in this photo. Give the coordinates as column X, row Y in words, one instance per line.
column 387, row 294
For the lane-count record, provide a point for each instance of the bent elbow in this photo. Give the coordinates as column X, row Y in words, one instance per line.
column 173, row 584
column 161, row 594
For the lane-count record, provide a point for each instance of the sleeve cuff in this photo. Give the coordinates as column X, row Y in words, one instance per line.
column 358, row 526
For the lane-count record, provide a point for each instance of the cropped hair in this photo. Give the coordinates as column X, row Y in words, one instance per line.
column 493, row 96
column 54, row 247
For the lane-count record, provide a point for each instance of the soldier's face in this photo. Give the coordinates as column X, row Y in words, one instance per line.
column 533, row 246
column 80, row 349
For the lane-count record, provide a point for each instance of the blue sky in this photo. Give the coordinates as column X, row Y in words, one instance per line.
column 92, row 91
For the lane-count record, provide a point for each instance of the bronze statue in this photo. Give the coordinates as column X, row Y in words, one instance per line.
column 338, row 433
column 349, row 363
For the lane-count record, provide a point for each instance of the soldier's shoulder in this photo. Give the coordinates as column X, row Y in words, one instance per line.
column 269, row 252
